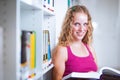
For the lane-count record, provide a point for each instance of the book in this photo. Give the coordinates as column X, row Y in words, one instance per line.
column 46, row 50
column 33, row 50
column 28, row 54
column 104, row 71
column 25, row 47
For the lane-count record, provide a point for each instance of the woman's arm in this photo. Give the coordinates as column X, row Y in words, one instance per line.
column 59, row 57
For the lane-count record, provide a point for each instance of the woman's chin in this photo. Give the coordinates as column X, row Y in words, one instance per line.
column 79, row 38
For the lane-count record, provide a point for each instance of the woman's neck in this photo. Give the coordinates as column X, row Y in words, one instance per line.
column 76, row 43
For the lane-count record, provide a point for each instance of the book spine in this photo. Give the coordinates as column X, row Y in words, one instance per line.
column 32, row 60
column 33, row 50
column 24, row 39
column 25, row 52
column 49, row 50
column 70, row 3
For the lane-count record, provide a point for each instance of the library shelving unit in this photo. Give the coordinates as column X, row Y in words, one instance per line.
column 73, row 2
column 25, row 15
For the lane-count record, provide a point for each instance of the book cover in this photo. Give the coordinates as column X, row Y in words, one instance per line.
column 109, row 71
column 94, row 75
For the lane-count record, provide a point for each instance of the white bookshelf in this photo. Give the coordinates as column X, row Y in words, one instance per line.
column 18, row 15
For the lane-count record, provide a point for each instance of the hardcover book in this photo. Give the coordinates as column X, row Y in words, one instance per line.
column 105, row 72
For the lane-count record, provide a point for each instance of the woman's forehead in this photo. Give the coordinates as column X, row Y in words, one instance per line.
column 80, row 16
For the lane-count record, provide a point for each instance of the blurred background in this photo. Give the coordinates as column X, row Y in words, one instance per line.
column 106, row 36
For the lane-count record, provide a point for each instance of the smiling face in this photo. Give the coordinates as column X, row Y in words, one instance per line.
column 79, row 26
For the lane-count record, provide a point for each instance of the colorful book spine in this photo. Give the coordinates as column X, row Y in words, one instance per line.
column 32, row 56
column 28, row 54
column 46, row 49
column 51, row 5
column 70, row 3
column 33, row 50
column 25, row 51
column 46, row 45
column 25, row 45
column 49, row 50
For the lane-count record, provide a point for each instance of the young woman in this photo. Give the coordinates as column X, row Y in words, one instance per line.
column 74, row 51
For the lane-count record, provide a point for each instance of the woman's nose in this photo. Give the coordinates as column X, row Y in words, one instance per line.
column 81, row 27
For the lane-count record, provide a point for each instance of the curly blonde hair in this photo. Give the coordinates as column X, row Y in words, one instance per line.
column 66, row 35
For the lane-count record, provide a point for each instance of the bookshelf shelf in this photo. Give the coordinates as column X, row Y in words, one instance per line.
column 29, row 6
column 40, row 74
column 29, row 16
column 36, row 4
column 48, row 68
column 48, row 12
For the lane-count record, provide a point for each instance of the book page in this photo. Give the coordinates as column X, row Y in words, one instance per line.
column 109, row 71
column 89, row 75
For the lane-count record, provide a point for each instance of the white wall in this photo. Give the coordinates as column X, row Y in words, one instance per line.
column 60, row 8
column 1, row 53
column 106, row 36
column 119, row 8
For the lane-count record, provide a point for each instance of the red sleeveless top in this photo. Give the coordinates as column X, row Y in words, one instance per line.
column 79, row 64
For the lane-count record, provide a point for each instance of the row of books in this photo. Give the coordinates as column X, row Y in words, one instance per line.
column 46, row 50
column 28, row 54
column 49, row 4
column 73, row 2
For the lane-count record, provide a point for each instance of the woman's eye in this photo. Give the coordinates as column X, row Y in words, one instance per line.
column 76, row 24
column 82, row 25
column 85, row 24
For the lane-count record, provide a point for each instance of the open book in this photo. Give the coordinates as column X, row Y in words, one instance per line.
column 93, row 75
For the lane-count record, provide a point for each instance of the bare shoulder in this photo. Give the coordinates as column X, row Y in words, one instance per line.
column 61, row 49
column 60, row 52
